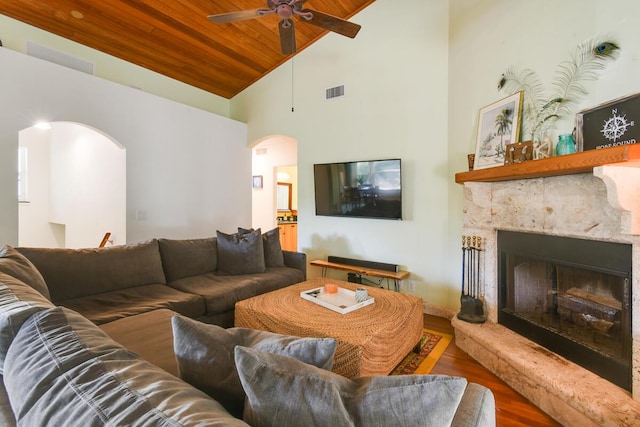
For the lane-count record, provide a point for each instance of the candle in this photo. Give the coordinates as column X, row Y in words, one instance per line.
column 330, row 288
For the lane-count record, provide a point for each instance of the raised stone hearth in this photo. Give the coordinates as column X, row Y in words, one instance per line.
column 603, row 205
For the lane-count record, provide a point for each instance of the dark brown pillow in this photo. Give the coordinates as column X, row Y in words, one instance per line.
column 240, row 253
column 272, row 250
column 273, row 256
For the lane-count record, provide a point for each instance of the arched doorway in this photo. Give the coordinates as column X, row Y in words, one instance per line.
column 275, row 160
column 72, row 181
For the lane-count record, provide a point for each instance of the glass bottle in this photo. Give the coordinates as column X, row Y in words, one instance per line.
column 566, row 145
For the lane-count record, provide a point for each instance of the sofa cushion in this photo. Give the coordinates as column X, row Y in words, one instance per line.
column 188, row 257
column 205, row 355
column 240, row 253
column 278, row 387
column 271, row 244
column 222, row 292
column 17, row 265
column 110, row 306
column 73, row 273
column 149, row 335
column 63, row 369
column 18, row 301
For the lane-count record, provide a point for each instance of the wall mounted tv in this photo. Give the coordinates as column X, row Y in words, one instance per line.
column 366, row 189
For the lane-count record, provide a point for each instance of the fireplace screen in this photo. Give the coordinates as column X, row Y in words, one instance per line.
column 570, row 296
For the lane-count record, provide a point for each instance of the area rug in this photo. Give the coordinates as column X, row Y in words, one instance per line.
column 432, row 346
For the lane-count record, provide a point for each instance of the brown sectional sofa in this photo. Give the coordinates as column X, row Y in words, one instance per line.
column 111, row 283
column 57, row 367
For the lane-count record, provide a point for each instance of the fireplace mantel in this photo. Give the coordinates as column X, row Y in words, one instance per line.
column 583, row 162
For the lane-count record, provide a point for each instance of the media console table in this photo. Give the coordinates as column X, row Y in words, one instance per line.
column 396, row 276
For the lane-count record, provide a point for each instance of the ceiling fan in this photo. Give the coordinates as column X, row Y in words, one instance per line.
column 287, row 9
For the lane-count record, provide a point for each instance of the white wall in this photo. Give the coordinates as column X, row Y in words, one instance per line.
column 88, row 186
column 395, row 105
column 187, row 169
column 34, row 226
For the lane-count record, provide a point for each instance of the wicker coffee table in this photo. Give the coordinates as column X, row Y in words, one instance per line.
column 371, row 340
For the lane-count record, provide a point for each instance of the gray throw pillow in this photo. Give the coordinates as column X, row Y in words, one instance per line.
column 240, row 253
column 273, row 256
column 17, row 265
column 206, row 360
column 282, row 391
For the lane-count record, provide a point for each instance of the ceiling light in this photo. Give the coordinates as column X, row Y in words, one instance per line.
column 43, row 125
column 76, row 14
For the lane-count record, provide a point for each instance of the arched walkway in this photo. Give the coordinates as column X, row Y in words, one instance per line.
column 73, row 187
column 274, row 158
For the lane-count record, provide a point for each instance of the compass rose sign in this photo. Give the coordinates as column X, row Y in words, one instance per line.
column 609, row 125
column 616, row 126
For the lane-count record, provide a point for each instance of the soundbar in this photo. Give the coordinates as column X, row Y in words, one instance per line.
column 363, row 263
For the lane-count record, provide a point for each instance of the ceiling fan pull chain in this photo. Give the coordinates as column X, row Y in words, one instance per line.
column 292, row 85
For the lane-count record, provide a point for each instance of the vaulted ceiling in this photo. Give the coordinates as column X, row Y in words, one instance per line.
column 175, row 38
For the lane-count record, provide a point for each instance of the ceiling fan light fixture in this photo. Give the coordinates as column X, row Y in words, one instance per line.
column 284, row 11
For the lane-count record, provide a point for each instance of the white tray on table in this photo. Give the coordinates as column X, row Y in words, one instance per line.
column 343, row 301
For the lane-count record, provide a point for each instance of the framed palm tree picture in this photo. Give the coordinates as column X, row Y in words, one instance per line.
column 498, row 126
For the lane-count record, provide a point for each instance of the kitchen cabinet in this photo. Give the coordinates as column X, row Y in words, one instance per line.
column 289, row 236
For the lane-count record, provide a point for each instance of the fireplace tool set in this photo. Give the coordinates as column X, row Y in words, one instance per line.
column 471, row 309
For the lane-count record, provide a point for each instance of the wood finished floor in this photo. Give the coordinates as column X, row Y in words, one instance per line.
column 512, row 409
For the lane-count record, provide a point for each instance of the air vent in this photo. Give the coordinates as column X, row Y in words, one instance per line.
column 60, row 58
column 334, row 92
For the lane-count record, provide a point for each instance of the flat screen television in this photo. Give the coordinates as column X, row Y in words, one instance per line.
column 366, row 189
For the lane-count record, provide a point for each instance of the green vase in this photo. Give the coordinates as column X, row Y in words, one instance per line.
column 566, row 145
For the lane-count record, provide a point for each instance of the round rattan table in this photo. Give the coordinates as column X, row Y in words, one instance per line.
column 371, row 340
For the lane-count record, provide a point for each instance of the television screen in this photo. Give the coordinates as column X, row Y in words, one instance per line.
column 368, row 189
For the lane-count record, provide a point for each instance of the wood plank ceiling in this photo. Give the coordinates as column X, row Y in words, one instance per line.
column 175, row 38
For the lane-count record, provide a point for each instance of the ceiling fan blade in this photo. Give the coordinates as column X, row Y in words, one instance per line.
column 287, row 36
column 224, row 18
column 333, row 23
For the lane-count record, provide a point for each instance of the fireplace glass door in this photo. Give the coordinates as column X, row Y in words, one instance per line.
column 566, row 295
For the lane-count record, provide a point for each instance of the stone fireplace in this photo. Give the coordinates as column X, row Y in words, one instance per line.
column 599, row 207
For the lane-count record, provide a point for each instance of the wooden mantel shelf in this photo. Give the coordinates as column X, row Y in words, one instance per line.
column 582, row 162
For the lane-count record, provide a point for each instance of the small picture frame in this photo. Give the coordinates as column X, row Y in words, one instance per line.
column 498, row 126
column 257, row 181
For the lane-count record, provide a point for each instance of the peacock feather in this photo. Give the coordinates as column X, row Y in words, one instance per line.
column 540, row 110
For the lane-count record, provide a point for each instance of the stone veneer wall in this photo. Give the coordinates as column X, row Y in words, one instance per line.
column 582, row 206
